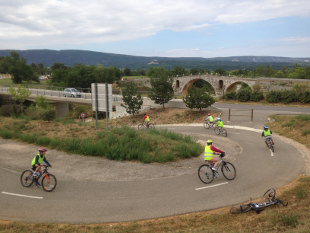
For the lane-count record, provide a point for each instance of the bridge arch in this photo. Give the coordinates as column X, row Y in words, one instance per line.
column 233, row 85
column 190, row 83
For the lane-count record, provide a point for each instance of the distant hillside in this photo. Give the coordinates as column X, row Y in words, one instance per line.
column 72, row 57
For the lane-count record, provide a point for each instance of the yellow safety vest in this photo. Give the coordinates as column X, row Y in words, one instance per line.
column 40, row 160
column 147, row 119
column 211, row 119
column 208, row 153
column 267, row 133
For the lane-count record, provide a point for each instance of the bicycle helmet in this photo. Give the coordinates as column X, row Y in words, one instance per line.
column 209, row 114
column 209, row 141
column 220, row 120
column 265, row 127
column 41, row 149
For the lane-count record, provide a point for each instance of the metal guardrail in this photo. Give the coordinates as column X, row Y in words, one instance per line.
column 55, row 93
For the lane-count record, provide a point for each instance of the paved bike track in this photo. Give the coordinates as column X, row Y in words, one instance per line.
column 92, row 201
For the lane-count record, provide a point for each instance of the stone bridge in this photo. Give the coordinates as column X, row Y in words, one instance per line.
column 223, row 84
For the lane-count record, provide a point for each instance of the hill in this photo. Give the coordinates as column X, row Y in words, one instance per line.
column 72, row 57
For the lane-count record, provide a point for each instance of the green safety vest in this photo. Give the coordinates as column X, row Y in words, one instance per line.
column 147, row 119
column 40, row 160
column 208, row 153
column 220, row 124
column 267, row 133
column 211, row 119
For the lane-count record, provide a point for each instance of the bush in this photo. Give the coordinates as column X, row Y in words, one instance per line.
column 304, row 97
column 288, row 96
column 230, row 95
column 244, row 94
column 47, row 114
column 257, row 96
column 274, row 96
column 6, row 110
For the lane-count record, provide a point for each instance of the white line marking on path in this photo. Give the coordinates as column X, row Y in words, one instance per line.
column 271, row 153
column 211, row 186
column 20, row 195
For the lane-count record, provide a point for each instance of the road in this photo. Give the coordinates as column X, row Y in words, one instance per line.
column 129, row 191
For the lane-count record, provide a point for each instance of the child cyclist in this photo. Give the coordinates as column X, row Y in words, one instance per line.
column 220, row 124
column 210, row 118
column 37, row 162
column 209, row 154
column 267, row 134
column 146, row 119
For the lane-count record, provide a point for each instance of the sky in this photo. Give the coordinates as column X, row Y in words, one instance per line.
column 163, row 28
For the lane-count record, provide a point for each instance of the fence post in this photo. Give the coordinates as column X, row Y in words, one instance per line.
column 252, row 115
column 228, row 115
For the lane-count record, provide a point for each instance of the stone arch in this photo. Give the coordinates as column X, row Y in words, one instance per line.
column 190, row 83
column 232, row 85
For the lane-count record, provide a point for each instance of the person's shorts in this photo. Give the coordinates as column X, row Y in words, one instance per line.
column 34, row 167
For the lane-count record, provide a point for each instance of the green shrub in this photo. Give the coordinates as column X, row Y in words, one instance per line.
column 304, row 97
column 288, row 96
column 6, row 134
column 257, row 96
column 303, row 117
column 6, row 110
column 289, row 220
column 274, row 96
column 48, row 114
column 244, row 94
column 306, row 132
column 230, row 95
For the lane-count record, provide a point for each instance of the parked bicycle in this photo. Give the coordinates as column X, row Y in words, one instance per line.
column 206, row 174
column 270, row 144
column 268, row 199
column 48, row 181
column 219, row 131
column 208, row 124
column 143, row 126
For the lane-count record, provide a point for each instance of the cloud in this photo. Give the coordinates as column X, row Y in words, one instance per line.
column 57, row 24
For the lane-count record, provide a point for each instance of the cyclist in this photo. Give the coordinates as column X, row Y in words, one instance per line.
column 267, row 134
column 219, row 124
column 37, row 162
column 210, row 118
column 146, row 119
column 209, row 154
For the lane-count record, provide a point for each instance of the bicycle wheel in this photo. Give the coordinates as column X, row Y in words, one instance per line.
column 268, row 196
column 224, row 132
column 49, row 182
column 205, row 174
column 206, row 125
column 26, row 178
column 240, row 209
column 151, row 126
column 271, row 146
column 228, row 170
column 141, row 126
column 217, row 131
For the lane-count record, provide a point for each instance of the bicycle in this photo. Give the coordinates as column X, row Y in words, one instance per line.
column 206, row 174
column 219, row 131
column 208, row 124
column 270, row 144
column 143, row 126
column 48, row 181
column 268, row 199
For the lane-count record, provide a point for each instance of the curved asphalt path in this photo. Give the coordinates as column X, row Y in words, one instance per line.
column 93, row 202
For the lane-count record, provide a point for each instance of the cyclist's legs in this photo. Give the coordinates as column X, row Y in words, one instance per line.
column 215, row 161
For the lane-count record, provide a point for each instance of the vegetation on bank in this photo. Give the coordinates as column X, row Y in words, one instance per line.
column 119, row 143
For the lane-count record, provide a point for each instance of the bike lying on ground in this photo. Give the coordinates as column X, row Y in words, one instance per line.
column 48, row 181
column 268, row 199
column 270, row 144
column 219, row 131
column 208, row 124
column 143, row 126
column 206, row 174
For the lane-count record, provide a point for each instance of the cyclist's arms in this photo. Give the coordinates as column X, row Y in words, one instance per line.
column 47, row 163
column 216, row 150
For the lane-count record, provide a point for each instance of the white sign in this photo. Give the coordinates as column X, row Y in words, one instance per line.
column 101, row 96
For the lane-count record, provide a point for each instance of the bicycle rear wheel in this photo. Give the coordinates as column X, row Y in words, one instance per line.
column 206, row 125
column 49, row 182
column 224, row 132
column 205, row 174
column 240, row 209
column 26, row 178
column 141, row 126
column 271, row 146
column 151, row 126
column 228, row 170
column 268, row 196
column 217, row 131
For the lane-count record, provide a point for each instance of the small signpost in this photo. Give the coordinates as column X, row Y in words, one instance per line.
column 83, row 115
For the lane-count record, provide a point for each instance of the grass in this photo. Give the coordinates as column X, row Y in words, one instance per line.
column 293, row 218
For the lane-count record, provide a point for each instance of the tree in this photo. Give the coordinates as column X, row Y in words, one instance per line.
column 132, row 100
column 127, row 72
column 19, row 96
column 162, row 90
column 198, row 98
